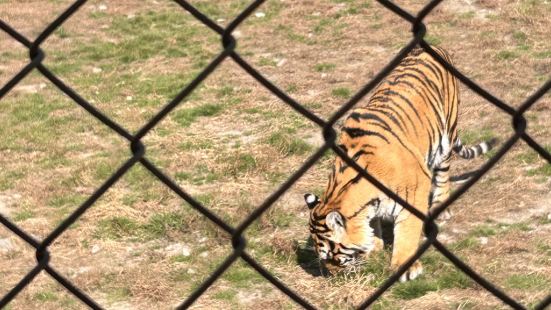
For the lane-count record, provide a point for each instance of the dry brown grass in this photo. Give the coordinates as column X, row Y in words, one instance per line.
column 121, row 251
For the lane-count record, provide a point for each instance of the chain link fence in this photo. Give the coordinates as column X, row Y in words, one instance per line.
column 36, row 56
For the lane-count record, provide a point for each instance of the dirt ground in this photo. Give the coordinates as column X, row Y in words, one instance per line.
column 232, row 143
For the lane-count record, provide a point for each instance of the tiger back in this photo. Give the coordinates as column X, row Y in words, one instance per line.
column 403, row 137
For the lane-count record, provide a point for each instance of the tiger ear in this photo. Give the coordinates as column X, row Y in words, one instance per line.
column 311, row 200
column 335, row 222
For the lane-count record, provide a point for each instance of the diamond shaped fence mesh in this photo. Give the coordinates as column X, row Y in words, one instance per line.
column 36, row 57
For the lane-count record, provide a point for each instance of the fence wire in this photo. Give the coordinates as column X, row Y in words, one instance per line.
column 37, row 55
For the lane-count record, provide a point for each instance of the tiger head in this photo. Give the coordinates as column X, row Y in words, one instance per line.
column 339, row 240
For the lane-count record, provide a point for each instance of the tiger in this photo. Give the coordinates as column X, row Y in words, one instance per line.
column 404, row 137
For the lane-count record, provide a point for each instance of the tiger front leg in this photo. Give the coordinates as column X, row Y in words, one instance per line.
column 408, row 229
column 407, row 234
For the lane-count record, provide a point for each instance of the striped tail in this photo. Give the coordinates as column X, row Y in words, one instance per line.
column 469, row 152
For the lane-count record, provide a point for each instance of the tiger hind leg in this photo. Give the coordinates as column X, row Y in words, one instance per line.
column 441, row 188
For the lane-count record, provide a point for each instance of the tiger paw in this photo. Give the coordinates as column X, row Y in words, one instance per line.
column 413, row 272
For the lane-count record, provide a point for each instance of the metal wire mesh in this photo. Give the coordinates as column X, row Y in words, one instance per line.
column 36, row 56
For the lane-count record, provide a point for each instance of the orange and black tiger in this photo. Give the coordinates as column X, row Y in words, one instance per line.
column 404, row 137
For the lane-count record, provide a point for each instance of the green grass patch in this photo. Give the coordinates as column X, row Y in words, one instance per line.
column 528, row 158
column 341, row 92
column 186, row 117
column 160, row 224
column 73, row 200
column 528, row 282
column 543, row 247
column 443, row 275
column 228, row 294
column 474, row 137
column 45, row 296
column 267, row 62
column 291, row 88
column 507, row 55
column 483, row 231
column 523, row 226
column 323, row 24
column 23, row 215
column 292, row 35
column 519, row 36
column 61, row 32
column 544, row 170
column 8, row 179
column 196, row 143
column 240, row 163
column 116, row 228
column 181, row 259
column 242, row 276
column 433, row 40
column 152, row 34
column 287, row 144
column 543, row 55
column 467, row 243
column 325, row 67
column 201, row 174
column 118, row 294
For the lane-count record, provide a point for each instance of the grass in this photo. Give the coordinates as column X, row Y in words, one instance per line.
column 528, row 282
column 242, row 276
column 158, row 225
column 202, row 174
column 287, row 144
column 341, row 93
column 116, row 228
column 231, row 143
column 45, row 296
column 240, row 163
column 443, row 275
column 473, row 137
column 325, row 67
column 186, row 117
column 23, row 215
column 507, row 55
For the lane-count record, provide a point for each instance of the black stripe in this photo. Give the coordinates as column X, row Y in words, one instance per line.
column 357, row 132
column 372, row 201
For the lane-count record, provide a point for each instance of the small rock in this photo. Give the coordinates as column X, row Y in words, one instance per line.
column 204, row 254
column 6, row 245
column 260, row 14
column 203, row 240
column 96, row 70
column 323, row 75
column 102, row 7
column 191, row 271
column 237, row 34
column 29, row 89
column 316, row 14
column 96, row 248
column 186, row 251
column 130, row 16
column 128, row 98
column 281, row 62
column 220, row 20
column 483, row 240
column 549, row 216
